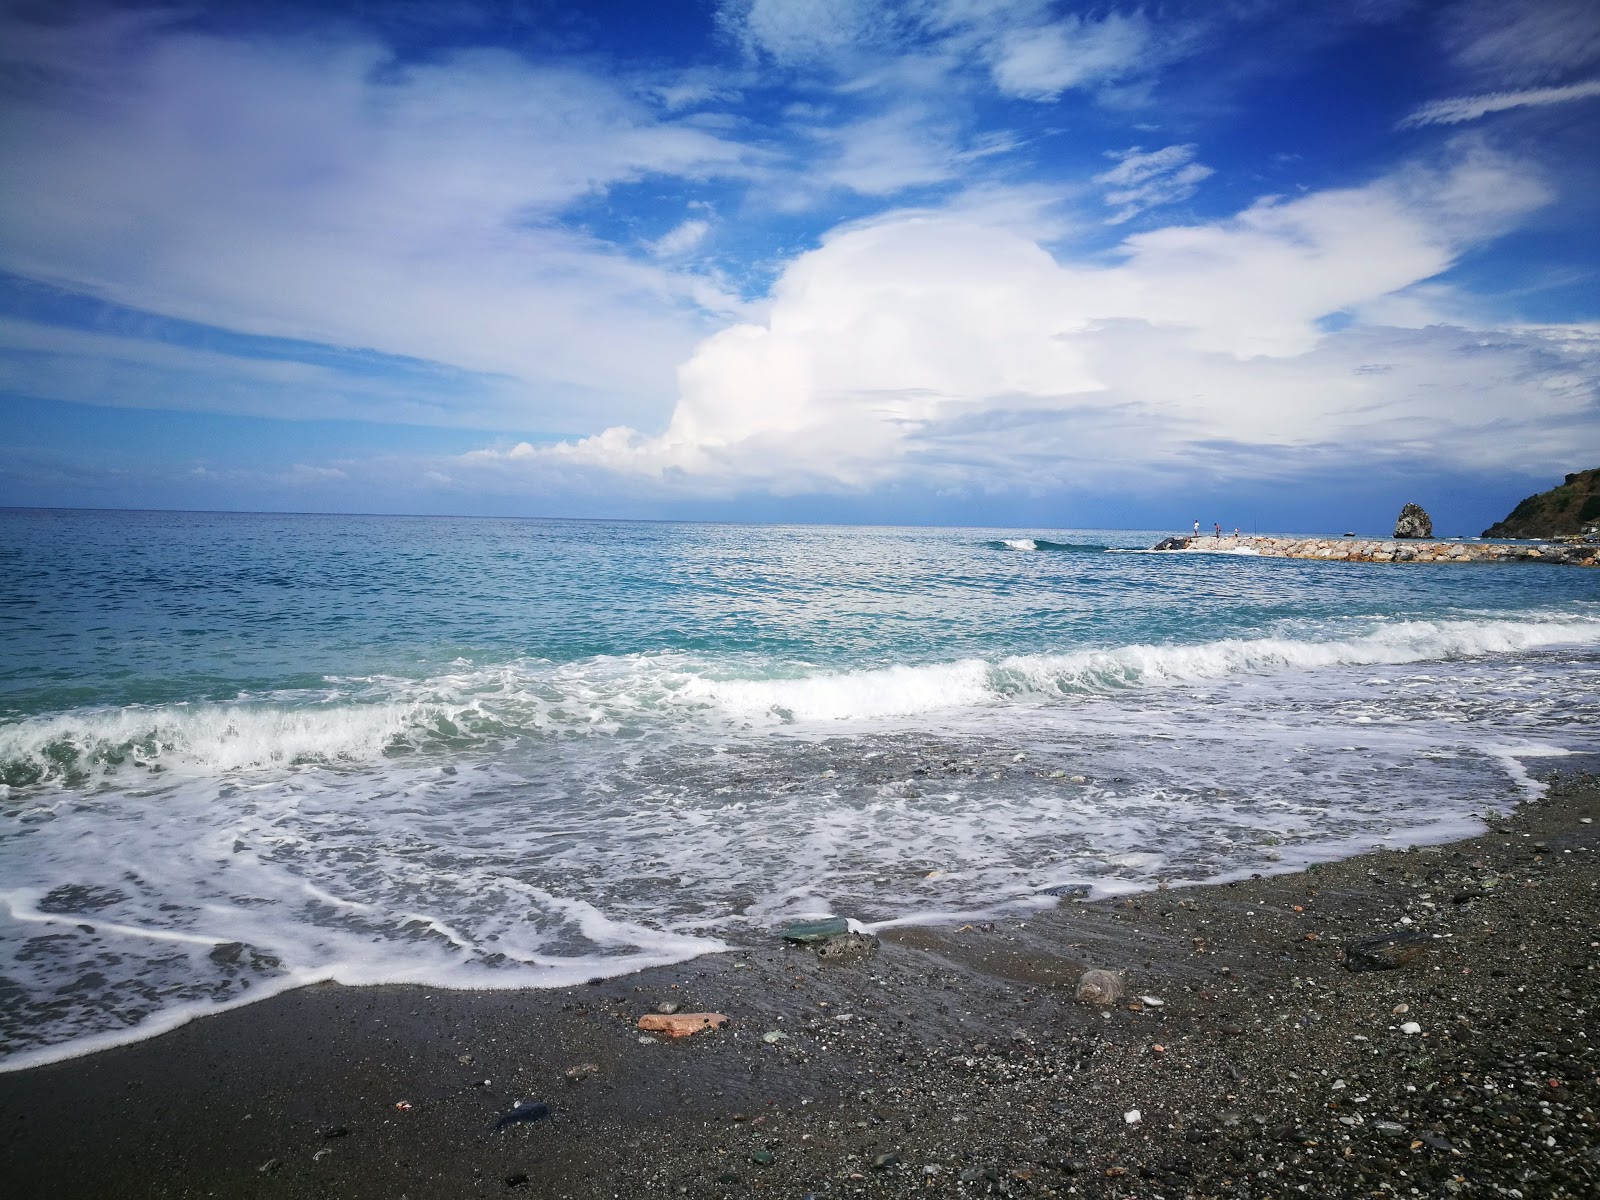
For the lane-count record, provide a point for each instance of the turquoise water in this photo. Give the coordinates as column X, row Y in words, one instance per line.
column 243, row 752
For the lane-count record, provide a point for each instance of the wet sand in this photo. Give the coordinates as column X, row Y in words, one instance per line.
column 952, row 1062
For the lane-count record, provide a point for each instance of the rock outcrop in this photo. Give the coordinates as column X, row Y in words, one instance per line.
column 1413, row 523
column 1570, row 509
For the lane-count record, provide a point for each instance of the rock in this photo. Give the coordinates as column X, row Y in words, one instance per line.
column 526, row 1111
column 1152, row 1001
column 848, row 948
column 1413, row 523
column 1172, row 543
column 762, row 1158
column 1133, row 1116
column 1410, row 1027
column 810, row 932
column 578, row 1072
column 1389, row 1129
column 773, row 1037
column 668, row 1007
column 1104, row 988
column 520, row 1179
column 1386, row 951
column 890, row 1159
column 335, row 1131
column 1069, row 891
column 680, row 1025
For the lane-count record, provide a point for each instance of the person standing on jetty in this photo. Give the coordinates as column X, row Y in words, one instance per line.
column 1217, row 525
column 1197, row 527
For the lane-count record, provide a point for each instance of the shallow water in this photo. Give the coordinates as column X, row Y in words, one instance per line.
column 242, row 752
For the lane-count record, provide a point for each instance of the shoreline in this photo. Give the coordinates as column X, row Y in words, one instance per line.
column 965, row 1067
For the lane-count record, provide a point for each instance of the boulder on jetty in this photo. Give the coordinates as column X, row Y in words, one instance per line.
column 1413, row 523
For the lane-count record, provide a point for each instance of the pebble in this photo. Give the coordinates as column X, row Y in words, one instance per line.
column 1133, row 1116
column 848, row 948
column 525, row 1111
column 681, row 1025
column 1386, row 951
column 762, row 1158
column 807, row 932
column 1151, row 1001
column 1099, row 987
column 667, row 1007
column 578, row 1072
column 774, row 1036
column 1411, row 1027
column 890, row 1159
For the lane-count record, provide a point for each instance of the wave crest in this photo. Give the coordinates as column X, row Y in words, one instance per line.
column 392, row 718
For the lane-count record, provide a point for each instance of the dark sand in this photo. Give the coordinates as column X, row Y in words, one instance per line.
column 954, row 1062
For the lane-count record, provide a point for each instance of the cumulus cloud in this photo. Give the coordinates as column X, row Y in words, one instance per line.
column 932, row 346
column 1142, row 180
column 316, row 189
column 1469, row 108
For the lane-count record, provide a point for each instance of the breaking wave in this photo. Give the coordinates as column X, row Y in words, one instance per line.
column 359, row 722
column 1040, row 544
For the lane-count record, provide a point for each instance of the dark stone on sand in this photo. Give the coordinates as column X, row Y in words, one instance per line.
column 1172, row 543
column 1386, row 951
column 520, row 1179
column 1435, row 1141
column 848, row 948
column 1069, row 891
column 883, row 1161
column 527, row 1111
column 336, row 1131
column 762, row 1158
column 811, row 932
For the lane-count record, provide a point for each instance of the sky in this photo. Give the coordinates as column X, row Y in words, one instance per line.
column 1278, row 265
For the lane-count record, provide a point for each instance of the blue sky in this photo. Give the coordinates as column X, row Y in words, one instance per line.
column 1269, row 263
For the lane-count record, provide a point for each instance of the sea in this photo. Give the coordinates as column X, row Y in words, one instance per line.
column 242, row 753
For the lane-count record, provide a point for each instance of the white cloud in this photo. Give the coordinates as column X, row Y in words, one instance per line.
column 935, row 347
column 681, row 239
column 1469, row 108
column 1041, row 62
column 313, row 189
column 1142, row 180
column 1517, row 44
column 801, row 32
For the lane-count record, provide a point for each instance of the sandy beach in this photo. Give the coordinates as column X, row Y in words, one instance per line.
column 954, row 1061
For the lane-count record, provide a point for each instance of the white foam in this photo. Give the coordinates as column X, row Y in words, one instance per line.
column 1019, row 543
column 595, row 818
column 357, row 722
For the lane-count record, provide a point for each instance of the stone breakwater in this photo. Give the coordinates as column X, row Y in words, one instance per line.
column 1371, row 550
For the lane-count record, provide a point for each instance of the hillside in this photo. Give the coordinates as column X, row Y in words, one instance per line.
column 1569, row 508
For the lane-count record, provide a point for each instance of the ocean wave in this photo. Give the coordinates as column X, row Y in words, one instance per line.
column 1041, row 544
column 366, row 721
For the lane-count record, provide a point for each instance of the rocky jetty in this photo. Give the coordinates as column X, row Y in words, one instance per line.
column 1571, row 509
column 1378, row 550
column 1413, row 522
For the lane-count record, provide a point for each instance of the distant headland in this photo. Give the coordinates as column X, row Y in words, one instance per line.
column 1570, row 509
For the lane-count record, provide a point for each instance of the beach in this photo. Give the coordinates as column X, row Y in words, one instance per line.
column 954, row 1061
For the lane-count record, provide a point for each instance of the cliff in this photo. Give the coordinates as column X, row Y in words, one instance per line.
column 1565, row 510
